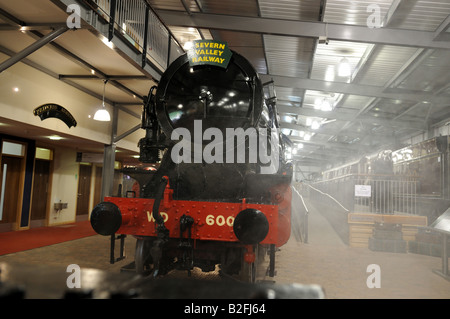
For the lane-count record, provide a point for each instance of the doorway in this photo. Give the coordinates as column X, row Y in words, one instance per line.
column 84, row 189
column 10, row 188
column 41, row 186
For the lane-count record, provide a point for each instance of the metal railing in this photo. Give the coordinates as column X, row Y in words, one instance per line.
column 299, row 217
column 140, row 26
column 373, row 194
column 387, row 196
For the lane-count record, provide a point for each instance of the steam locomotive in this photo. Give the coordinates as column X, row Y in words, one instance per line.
column 221, row 192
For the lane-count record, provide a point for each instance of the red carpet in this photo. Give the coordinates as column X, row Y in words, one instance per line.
column 11, row 242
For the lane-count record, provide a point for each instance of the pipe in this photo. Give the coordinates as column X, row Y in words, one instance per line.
column 32, row 48
column 159, row 195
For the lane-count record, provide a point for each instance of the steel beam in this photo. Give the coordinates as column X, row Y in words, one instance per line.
column 10, row 19
column 441, row 33
column 76, row 59
column 354, row 89
column 339, row 32
column 31, row 27
column 341, row 115
column 123, row 135
column 32, row 48
column 107, row 77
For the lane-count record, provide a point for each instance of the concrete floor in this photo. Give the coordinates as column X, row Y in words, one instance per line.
column 341, row 270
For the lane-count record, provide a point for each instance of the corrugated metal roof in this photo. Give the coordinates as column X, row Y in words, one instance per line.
column 420, row 14
column 387, row 108
column 354, row 12
column 385, row 63
column 248, row 8
column 355, row 102
column 307, row 10
column 328, row 57
column 292, row 95
column 249, row 45
column 173, row 5
column 289, row 56
column 184, row 35
column 431, row 74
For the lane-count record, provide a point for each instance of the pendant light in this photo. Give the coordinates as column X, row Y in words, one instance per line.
column 102, row 114
column 345, row 69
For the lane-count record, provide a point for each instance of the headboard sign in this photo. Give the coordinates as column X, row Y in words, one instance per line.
column 55, row 111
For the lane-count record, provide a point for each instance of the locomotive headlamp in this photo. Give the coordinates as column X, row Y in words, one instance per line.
column 251, row 226
column 106, row 219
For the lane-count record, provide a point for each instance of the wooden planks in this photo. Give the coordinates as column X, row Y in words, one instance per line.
column 361, row 226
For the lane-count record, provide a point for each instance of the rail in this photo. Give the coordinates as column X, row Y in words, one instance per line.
column 383, row 194
column 138, row 24
column 299, row 215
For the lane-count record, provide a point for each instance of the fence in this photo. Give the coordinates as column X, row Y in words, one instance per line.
column 373, row 194
column 140, row 26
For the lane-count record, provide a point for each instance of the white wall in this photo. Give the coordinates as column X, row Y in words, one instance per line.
column 64, row 186
column 37, row 88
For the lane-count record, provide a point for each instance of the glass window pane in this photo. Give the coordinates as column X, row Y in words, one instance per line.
column 16, row 149
column 44, row 153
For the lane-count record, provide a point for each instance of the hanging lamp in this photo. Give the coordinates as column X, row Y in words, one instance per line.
column 102, row 114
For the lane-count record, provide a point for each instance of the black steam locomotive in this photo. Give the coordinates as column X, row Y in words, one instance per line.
column 221, row 193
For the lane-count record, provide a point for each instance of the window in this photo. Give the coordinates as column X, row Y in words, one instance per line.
column 44, row 154
column 10, row 148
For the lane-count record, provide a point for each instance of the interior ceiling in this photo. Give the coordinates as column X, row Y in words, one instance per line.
column 398, row 87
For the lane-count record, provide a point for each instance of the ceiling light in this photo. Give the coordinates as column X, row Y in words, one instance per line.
column 108, row 43
column 315, row 125
column 188, row 45
column 329, row 74
column 318, row 103
column 344, row 68
column 102, row 114
column 55, row 138
column 326, row 105
column 16, row 89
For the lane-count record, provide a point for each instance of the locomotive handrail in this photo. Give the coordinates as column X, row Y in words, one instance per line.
column 159, row 195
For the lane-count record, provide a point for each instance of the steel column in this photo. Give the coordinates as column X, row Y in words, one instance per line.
column 109, row 157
